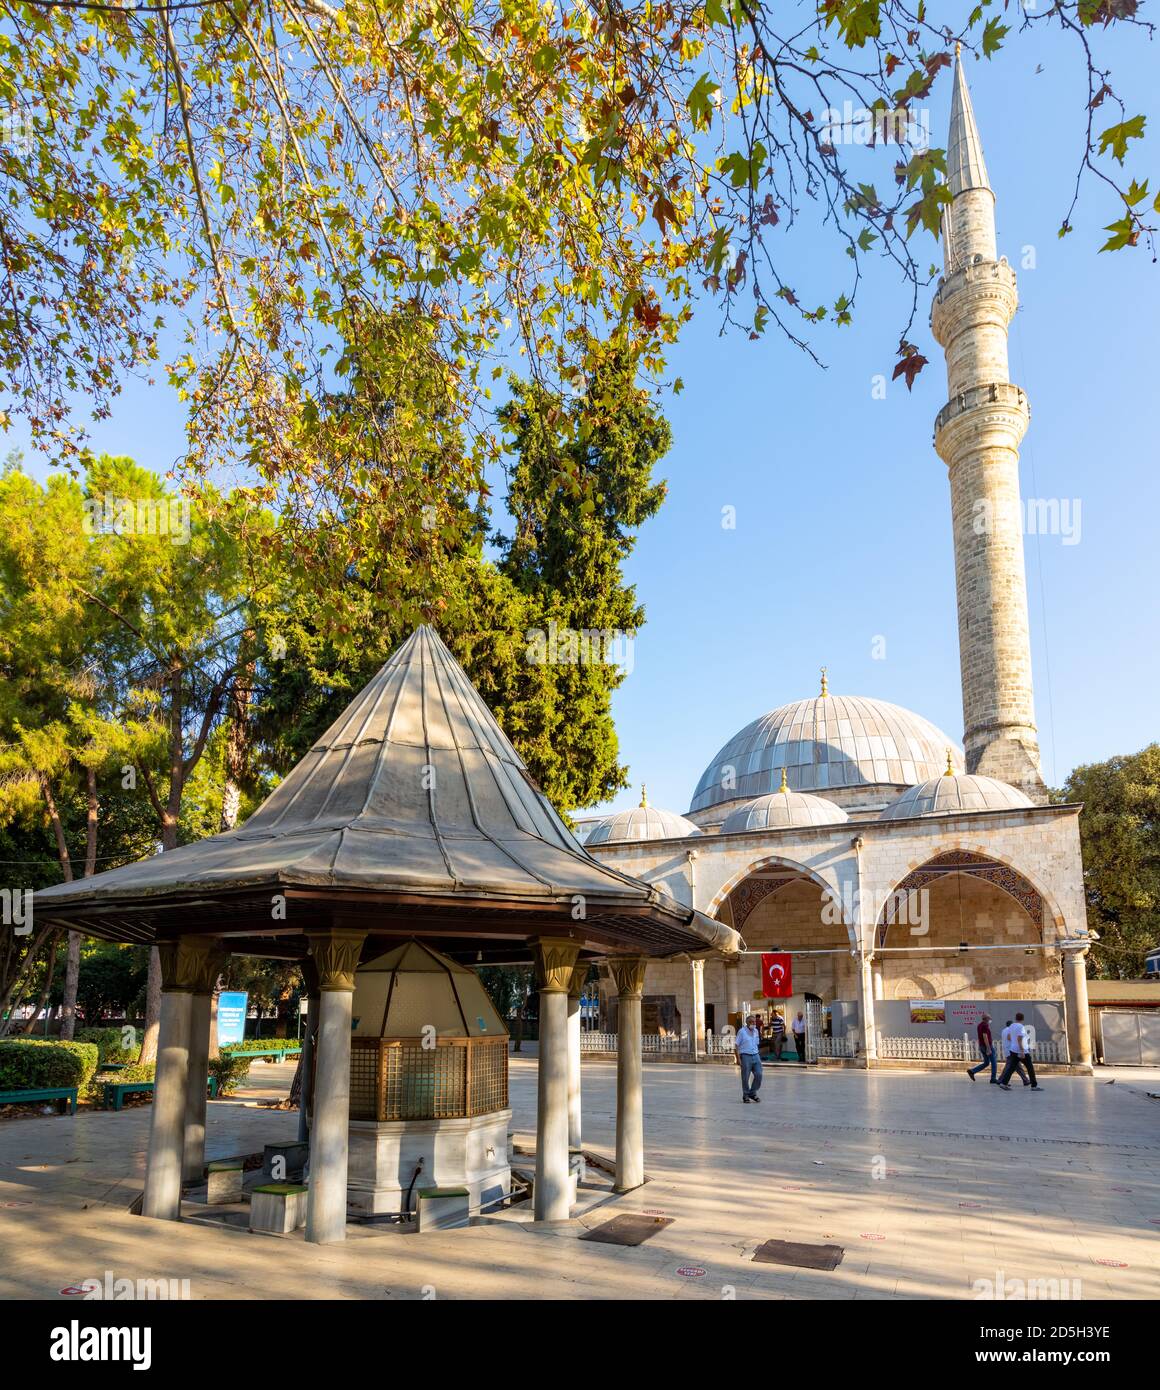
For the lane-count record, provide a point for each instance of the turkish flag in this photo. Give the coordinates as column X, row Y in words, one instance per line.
column 776, row 975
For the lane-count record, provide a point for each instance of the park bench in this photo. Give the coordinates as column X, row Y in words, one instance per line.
column 271, row 1054
column 66, row 1093
column 116, row 1091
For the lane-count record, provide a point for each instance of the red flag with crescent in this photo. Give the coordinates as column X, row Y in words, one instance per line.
column 776, row 975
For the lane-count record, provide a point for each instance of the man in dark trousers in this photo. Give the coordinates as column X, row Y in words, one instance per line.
column 1020, row 1053
column 986, row 1050
column 748, row 1045
column 799, row 1035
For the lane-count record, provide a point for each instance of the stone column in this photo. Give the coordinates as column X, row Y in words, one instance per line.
column 306, row 1089
column 163, row 1165
column 555, row 960
column 1079, row 1035
column 628, row 972
column 335, row 955
column 208, row 966
column 879, row 983
column 698, row 967
column 866, row 1030
column 732, row 988
column 574, row 990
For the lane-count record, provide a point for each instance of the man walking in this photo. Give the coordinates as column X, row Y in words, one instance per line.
column 1020, row 1052
column 777, row 1024
column 1009, row 1052
column 799, row 1035
column 986, row 1050
column 748, row 1045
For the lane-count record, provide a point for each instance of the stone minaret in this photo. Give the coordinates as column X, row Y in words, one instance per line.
column 977, row 436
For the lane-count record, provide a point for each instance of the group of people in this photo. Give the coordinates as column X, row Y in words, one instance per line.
column 748, row 1047
column 1016, row 1044
column 1015, row 1038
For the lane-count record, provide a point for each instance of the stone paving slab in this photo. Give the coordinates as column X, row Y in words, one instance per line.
column 931, row 1184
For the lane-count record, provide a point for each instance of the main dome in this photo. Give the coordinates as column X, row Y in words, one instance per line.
column 823, row 743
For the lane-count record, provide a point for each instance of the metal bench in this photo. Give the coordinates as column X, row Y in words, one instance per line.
column 116, row 1091
column 66, row 1093
column 271, row 1054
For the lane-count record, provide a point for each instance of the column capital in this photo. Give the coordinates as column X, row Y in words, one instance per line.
column 698, row 965
column 628, row 972
column 190, row 965
column 335, row 954
column 579, row 975
column 555, row 961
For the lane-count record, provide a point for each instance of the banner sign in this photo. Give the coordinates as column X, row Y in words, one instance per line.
column 776, row 975
column 232, row 1008
column 928, row 1011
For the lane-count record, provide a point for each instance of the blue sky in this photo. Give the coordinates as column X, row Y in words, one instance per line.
column 843, row 516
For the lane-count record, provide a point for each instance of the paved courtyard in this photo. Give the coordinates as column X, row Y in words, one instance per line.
column 927, row 1182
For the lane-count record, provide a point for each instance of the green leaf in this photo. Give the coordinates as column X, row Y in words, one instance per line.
column 1116, row 137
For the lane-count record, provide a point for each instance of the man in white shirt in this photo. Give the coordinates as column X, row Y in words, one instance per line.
column 1015, row 1039
column 748, row 1044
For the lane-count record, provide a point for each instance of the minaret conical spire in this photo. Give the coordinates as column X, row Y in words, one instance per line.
column 965, row 165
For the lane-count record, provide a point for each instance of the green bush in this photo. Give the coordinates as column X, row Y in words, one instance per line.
column 29, row 1065
column 108, row 1041
column 138, row 1071
column 262, row 1045
column 230, row 1072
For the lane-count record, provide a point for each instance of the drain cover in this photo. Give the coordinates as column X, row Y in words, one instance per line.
column 628, row 1229
column 790, row 1252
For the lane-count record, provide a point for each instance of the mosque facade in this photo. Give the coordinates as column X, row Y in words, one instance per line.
column 890, row 862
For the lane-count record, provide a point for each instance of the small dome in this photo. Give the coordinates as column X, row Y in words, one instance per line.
column 643, row 822
column 951, row 793
column 828, row 742
column 783, row 808
column 411, row 987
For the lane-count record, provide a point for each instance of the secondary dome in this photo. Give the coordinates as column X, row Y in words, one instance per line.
column 950, row 793
column 643, row 822
column 826, row 742
column 781, row 809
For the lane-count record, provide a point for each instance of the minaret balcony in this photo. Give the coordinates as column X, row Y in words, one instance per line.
column 982, row 286
column 997, row 409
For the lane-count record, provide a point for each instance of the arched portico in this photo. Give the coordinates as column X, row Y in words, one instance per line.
column 959, row 898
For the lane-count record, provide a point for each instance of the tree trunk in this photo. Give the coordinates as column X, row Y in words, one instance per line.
column 30, row 1026
column 237, row 752
column 72, row 973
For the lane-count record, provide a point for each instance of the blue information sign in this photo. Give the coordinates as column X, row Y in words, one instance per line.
column 232, row 1017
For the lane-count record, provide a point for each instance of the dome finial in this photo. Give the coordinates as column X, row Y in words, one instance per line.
column 958, row 49
column 950, row 772
column 825, row 684
column 784, row 782
column 643, row 797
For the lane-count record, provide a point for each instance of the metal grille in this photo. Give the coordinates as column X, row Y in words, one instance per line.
column 487, row 1081
column 400, row 1079
column 363, row 1082
column 814, row 1035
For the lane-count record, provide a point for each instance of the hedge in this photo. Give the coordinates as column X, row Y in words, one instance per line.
column 109, row 1044
column 230, row 1071
column 262, row 1045
column 27, row 1064
column 138, row 1071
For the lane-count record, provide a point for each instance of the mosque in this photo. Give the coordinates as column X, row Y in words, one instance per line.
column 892, row 865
